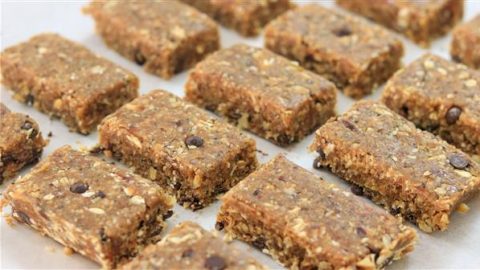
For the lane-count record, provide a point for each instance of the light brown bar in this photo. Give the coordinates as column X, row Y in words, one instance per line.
column 465, row 47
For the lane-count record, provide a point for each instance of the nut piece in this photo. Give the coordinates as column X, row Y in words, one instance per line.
column 453, row 114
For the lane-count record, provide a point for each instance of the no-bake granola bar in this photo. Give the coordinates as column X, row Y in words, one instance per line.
column 441, row 97
column 189, row 246
column 188, row 152
column 409, row 171
column 421, row 21
column 350, row 51
column 465, row 46
column 262, row 92
column 245, row 16
column 66, row 80
column 166, row 37
column 307, row 223
column 100, row 211
column 21, row 142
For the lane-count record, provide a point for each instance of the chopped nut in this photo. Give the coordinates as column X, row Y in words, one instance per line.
column 97, row 211
column 463, row 208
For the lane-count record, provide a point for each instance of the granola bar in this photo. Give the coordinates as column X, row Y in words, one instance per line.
column 21, row 142
column 189, row 246
column 262, row 92
column 245, row 16
column 66, row 80
column 420, row 21
column 188, row 152
column 100, row 211
column 350, row 51
column 465, row 46
column 307, row 223
column 441, row 97
column 409, row 171
column 166, row 37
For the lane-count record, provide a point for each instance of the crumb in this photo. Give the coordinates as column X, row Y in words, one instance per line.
column 68, row 251
column 50, row 134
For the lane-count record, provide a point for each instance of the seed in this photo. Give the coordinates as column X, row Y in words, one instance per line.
column 356, row 190
column 361, row 232
column 349, row 125
column 342, row 31
column 100, row 194
column 259, row 243
column 453, row 114
column 256, row 192
column 193, row 141
column 458, row 161
column 215, row 262
column 79, row 187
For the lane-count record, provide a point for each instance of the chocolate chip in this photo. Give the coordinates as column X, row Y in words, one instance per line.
column 102, row 234
column 188, row 253
column 321, row 153
column 361, row 232
column 256, row 192
column 79, row 187
column 100, row 194
column 349, row 125
column 458, row 161
column 7, row 158
column 317, row 162
column 24, row 217
column 29, row 100
column 140, row 58
column 50, row 134
column 453, row 114
column 193, row 140
column 395, row 211
column 219, row 226
column 215, row 262
column 177, row 185
column 283, row 139
column 26, row 125
column 259, row 243
column 356, row 190
column 167, row 214
column 404, row 110
column 456, row 58
column 411, row 217
column 342, row 31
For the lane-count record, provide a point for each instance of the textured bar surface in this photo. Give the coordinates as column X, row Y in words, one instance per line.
column 348, row 50
column 262, row 92
column 245, row 16
column 188, row 246
column 21, row 142
column 188, row 152
column 100, row 211
column 421, row 21
column 66, row 80
column 441, row 97
column 307, row 223
column 410, row 171
column 465, row 46
column 166, row 37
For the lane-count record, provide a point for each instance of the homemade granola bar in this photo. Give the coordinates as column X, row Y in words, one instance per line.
column 465, row 46
column 188, row 246
column 66, row 80
column 421, row 21
column 245, row 16
column 262, row 92
column 306, row 223
column 411, row 172
column 188, row 152
column 102, row 212
column 166, row 37
column 350, row 51
column 441, row 97
column 21, row 142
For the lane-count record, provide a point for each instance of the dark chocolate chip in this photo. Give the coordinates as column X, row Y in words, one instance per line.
column 7, row 158
column 219, row 226
column 404, row 110
column 194, row 140
column 361, row 232
column 321, row 153
column 317, row 162
column 140, row 58
column 24, row 217
column 342, row 31
column 375, row 251
column 188, row 253
column 167, row 214
column 27, row 125
column 349, row 125
column 395, row 211
column 256, row 192
column 100, row 194
column 356, row 190
column 259, row 243
column 102, row 234
column 453, row 114
column 50, row 134
column 283, row 139
column 79, row 187
column 177, row 185
column 458, row 161
column 456, row 58
column 29, row 100
column 215, row 262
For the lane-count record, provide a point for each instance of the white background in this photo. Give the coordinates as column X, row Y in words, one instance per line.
column 21, row 247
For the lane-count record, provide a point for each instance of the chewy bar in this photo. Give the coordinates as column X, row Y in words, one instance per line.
column 441, row 97
column 188, row 152
column 262, row 92
column 409, row 171
column 350, row 51
column 421, row 21
column 100, row 211
column 166, row 37
column 465, row 46
column 66, row 80
column 189, row 246
column 307, row 223
column 21, row 142
column 246, row 17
